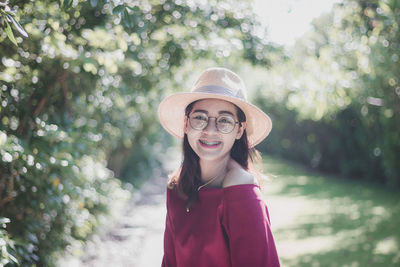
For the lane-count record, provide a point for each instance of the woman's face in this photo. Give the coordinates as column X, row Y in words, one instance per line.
column 210, row 143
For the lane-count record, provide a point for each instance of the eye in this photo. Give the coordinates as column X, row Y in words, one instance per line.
column 226, row 120
column 199, row 116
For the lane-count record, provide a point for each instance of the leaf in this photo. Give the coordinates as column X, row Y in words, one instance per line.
column 134, row 9
column 67, row 4
column 118, row 9
column 18, row 26
column 127, row 19
column 10, row 33
column 93, row 3
column 8, row 10
column 385, row 7
column 4, row 220
column 12, row 258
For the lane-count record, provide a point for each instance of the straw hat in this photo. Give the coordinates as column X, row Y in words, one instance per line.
column 217, row 83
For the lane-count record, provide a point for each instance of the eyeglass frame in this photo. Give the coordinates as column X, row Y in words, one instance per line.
column 216, row 123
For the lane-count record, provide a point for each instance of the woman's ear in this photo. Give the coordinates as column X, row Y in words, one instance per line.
column 241, row 130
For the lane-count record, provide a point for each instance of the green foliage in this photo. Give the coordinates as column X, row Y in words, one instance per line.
column 341, row 96
column 335, row 222
column 334, row 144
column 78, row 105
column 7, row 16
column 53, row 192
column 6, row 245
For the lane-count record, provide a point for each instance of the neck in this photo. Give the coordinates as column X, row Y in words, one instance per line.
column 212, row 169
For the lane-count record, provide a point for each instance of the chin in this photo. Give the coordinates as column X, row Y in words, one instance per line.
column 209, row 156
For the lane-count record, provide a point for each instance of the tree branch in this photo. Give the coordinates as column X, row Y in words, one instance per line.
column 10, row 187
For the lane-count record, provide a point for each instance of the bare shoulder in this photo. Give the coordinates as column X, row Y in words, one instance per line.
column 236, row 175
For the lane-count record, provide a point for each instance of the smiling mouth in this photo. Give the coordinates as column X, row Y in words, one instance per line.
column 209, row 143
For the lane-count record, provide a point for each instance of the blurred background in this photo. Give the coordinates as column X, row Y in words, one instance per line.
column 80, row 82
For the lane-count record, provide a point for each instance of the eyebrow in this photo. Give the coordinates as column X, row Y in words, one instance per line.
column 219, row 112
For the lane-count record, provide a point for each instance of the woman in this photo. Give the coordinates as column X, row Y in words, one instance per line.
column 215, row 212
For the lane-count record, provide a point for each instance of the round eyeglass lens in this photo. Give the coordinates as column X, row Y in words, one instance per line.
column 225, row 124
column 198, row 120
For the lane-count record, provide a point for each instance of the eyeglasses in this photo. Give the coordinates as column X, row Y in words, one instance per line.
column 224, row 123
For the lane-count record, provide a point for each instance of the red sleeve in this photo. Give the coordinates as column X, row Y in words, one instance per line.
column 169, row 259
column 246, row 222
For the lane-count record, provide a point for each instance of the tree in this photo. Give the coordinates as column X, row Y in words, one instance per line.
column 341, row 94
column 77, row 104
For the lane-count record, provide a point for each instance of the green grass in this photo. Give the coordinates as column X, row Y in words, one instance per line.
column 320, row 220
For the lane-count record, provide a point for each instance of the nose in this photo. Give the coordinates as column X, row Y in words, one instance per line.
column 211, row 126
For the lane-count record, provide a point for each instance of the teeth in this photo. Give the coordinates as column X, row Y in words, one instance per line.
column 210, row 143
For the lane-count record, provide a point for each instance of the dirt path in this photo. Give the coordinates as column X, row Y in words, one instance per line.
column 136, row 237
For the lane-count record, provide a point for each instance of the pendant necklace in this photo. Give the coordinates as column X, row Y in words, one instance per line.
column 209, row 182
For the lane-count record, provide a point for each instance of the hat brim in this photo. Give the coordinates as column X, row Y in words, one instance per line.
column 171, row 114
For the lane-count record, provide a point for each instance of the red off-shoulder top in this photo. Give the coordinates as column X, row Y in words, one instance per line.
column 227, row 227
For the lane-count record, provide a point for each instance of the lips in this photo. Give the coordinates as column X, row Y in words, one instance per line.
column 209, row 144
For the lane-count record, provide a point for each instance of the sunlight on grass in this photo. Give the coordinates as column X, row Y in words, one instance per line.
column 327, row 221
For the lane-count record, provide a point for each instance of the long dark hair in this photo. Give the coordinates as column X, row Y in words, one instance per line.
column 188, row 177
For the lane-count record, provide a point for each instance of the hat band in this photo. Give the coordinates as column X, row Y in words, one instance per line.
column 215, row 89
